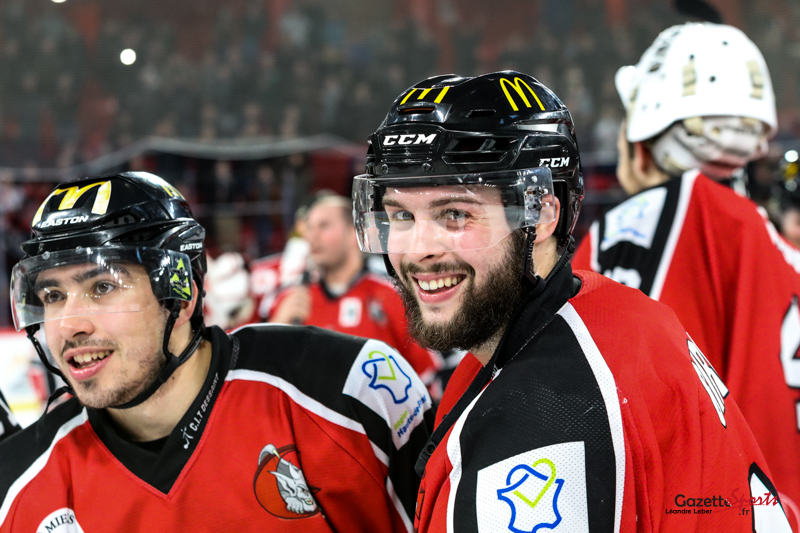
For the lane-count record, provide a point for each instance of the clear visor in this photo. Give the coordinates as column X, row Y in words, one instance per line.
column 437, row 214
column 91, row 281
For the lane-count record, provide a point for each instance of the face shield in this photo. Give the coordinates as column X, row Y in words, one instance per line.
column 437, row 214
column 93, row 281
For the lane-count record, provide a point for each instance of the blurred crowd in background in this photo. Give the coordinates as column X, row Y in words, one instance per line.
column 218, row 71
column 253, row 68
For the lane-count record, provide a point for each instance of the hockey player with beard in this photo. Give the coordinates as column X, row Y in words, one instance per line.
column 590, row 408
column 700, row 106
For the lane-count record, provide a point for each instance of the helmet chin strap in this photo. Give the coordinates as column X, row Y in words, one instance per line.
column 538, row 282
column 31, row 332
column 66, row 388
column 527, row 266
column 173, row 362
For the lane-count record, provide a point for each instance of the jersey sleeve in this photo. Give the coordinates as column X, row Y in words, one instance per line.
column 711, row 470
column 395, row 409
column 8, row 423
column 691, row 462
column 740, row 306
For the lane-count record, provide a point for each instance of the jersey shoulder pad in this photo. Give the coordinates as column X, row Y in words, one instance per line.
column 334, row 369
column 294, row 352
column 631, row 306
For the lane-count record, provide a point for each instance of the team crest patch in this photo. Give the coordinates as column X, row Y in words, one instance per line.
column 281, row 487
column 635, row 220
column 540, row 490
column 385, row 382
column 60, row 521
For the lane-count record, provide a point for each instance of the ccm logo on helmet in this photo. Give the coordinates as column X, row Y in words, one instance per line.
column 64, row 221
column 554, row 162
column 408, row 138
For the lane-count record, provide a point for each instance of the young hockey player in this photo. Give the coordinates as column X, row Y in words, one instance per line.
column 175, row 426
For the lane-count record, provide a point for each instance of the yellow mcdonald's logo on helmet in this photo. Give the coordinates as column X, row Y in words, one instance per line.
column 516, row 85
column 159, row 182
column 424, row 93
column 73, row 194
column 172, row 191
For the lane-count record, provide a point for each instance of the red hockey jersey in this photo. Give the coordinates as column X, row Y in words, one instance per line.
column 602, row 416
column 734, row 283
column 370, row 308
column 295, row 429
column 462, row 376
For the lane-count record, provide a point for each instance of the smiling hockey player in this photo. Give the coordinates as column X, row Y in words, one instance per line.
column 591, row 409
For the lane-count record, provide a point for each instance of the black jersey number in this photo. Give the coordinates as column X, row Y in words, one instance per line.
column 790, row 346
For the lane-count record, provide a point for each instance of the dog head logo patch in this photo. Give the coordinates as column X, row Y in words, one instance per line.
column 281, row 487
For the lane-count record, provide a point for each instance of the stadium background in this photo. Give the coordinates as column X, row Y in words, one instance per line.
column 250, row 106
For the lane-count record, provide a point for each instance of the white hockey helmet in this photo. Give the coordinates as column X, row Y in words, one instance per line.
column 696, row 70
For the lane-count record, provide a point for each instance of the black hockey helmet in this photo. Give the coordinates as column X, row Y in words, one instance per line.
column 130, row 217
column 490, row 127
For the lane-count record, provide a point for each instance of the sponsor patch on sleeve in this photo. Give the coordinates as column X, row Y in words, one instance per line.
column 635, row 220
column 383, row 381
column 539, row 490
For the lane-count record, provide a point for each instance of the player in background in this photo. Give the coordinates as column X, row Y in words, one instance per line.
column 700, row 106
column 788, row 198
column 270, row 428
column 591, row 409
column 8, row 424
column 343, row 294
column 228, row 302
column 276, row 272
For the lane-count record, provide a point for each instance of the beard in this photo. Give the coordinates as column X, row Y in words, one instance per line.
column 485, row 311
column 127, row 383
